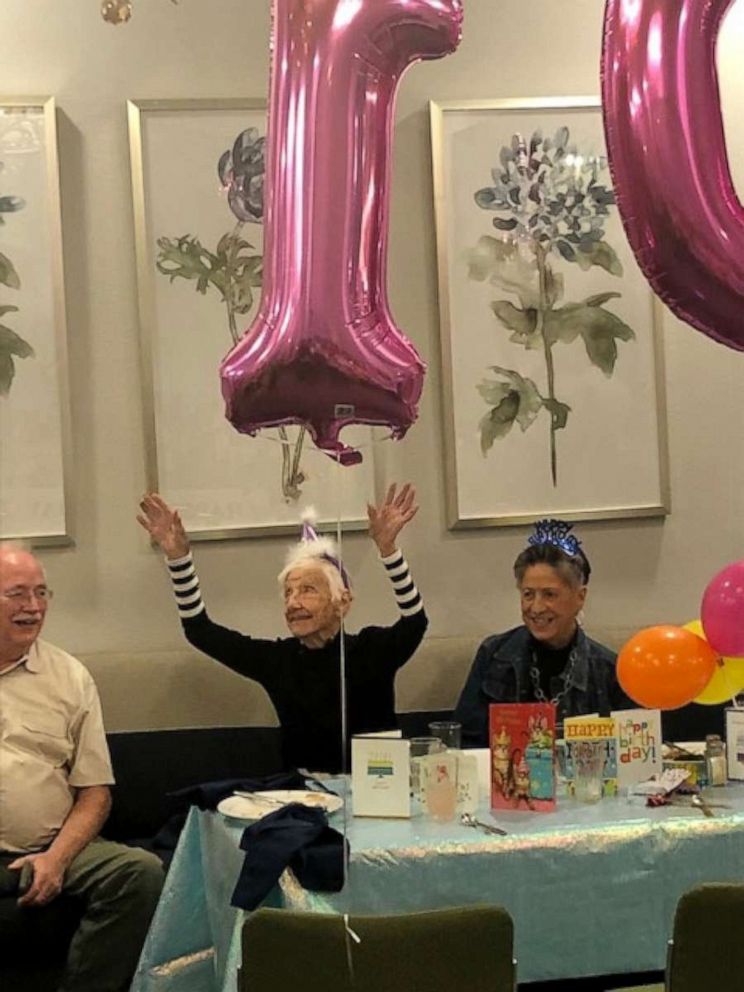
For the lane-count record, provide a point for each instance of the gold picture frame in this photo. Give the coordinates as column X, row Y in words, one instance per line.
column 35, row 435
column 531, row 253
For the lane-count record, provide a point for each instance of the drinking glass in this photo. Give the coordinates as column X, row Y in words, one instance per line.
column 561, row 769
column 588, row 766
column 448, row 732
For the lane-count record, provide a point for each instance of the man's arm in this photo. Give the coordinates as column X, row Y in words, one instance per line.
column 84, row 821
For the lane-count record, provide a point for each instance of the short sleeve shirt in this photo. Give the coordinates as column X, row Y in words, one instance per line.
column 52, row 741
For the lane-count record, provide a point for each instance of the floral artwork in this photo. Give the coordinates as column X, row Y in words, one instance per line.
column 551, row 203
column 34, row 409
column 12, row 345
column 551, row 340
column 233, row 268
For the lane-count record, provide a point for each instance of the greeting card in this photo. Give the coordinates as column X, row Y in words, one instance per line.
column 638, row 746
column 580, row 730
column 522, row 740
column 380, row 776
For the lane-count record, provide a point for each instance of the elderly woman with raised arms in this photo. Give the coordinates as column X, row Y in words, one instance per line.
column 302, row 673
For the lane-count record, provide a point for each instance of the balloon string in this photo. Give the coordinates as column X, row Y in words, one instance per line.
column 727, row 680
column 342, row 676
column 310, row 449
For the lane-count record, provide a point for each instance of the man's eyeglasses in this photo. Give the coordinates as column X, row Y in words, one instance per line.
column 41, row 594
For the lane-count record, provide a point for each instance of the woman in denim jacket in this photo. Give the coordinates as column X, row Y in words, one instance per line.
column 549, row 658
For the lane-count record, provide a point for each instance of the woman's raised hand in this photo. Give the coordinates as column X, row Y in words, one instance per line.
column 388, row 518
column 164, row 526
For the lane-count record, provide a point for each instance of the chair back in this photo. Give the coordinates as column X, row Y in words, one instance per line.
column 705, row 953
column 445, row 950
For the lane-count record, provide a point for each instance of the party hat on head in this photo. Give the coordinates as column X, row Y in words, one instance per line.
column 313, row 546
column 309, row 518
column 558, row 533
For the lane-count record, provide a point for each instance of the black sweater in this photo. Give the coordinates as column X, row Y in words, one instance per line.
column 304, row 683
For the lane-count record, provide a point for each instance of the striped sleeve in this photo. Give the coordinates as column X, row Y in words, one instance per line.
column 185, row 586
column 407, row 595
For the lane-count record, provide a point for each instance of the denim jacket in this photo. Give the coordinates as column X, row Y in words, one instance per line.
column 501, row 674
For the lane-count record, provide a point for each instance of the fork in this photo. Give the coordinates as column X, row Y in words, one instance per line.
column 265, row 800
column 311, row 781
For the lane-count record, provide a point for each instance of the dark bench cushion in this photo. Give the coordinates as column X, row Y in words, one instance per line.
column 150, row 763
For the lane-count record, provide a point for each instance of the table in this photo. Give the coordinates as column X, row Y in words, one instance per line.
column 592, row 889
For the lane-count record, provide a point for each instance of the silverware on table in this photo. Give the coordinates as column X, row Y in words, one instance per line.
column 263, row 800
column 314, row 784
column 467, row 820
column 707, row 807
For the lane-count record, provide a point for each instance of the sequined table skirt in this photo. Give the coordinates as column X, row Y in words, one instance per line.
column 592, row 889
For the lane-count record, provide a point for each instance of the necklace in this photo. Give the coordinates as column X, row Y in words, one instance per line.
column 565, row 676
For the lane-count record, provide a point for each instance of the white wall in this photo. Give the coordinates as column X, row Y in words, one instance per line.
column 112, row 594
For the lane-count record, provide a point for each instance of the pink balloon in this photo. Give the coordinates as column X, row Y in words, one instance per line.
column 667, row 153
column 324, row 350
column 722, row 612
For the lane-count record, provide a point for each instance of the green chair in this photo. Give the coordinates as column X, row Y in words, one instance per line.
column 705, row 953
column 444, row 950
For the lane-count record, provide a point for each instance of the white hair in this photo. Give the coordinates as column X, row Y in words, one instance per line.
column 312, row 554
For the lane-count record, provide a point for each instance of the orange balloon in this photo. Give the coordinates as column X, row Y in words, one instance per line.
column 665, row 667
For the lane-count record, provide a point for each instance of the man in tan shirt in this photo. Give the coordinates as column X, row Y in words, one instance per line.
column 55, row 774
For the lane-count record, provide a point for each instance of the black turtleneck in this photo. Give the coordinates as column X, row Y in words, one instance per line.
column 304, row 683
column 551, row 663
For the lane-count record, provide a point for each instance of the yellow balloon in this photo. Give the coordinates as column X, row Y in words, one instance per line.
column 727, row 680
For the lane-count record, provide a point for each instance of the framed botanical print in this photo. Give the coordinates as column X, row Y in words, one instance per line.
column 551, row 348
column 35, row 450
column 199, row 264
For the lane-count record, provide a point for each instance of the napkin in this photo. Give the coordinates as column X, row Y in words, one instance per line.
column 294, row 836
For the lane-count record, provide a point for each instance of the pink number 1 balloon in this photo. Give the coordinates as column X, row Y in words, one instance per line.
column 324, row 350
column 667, row 152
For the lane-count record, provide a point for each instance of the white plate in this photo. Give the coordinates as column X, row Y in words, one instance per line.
column 260, row 804
column 693, row 747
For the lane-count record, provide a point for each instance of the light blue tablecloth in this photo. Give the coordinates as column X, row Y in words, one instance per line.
column 591, row 889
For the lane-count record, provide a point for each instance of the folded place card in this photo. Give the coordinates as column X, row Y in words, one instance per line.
column 381, row 776
column 735, row 742
column 662, row 784
column 468, row 782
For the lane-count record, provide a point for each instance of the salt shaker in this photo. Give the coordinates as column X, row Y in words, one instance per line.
column 715, row 760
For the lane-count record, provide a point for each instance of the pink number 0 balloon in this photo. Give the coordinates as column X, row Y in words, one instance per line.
column 324, row 339
column 667, row 153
